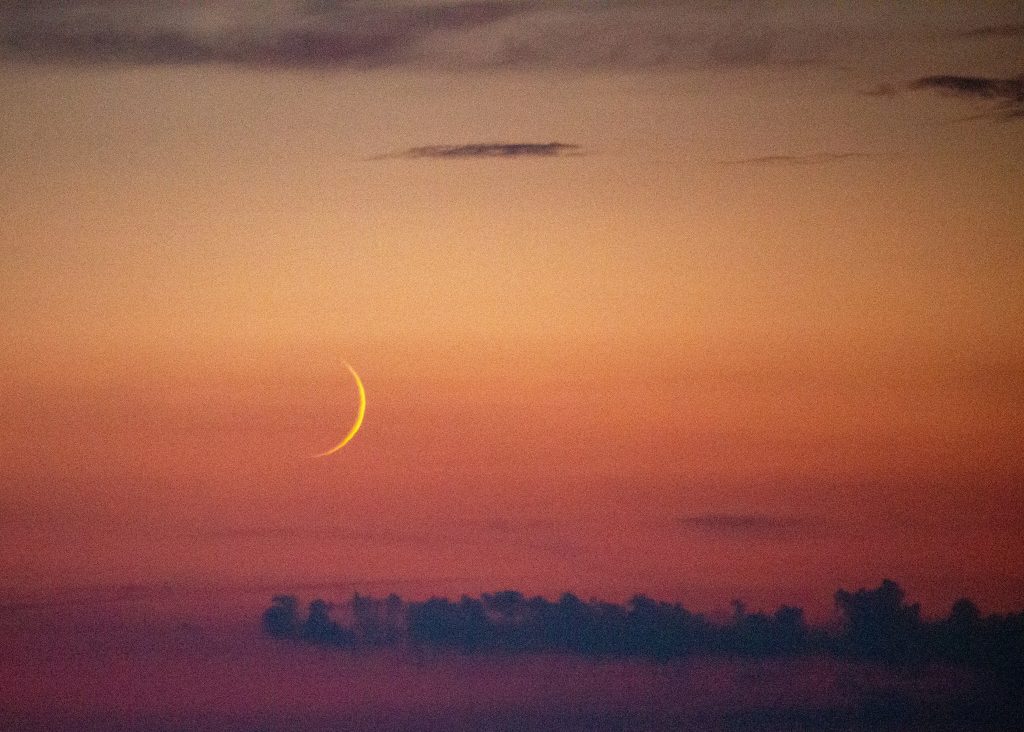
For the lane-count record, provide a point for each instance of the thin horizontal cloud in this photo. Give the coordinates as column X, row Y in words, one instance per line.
column 536, row 535
column 475, row 34
column 1001, row 30
column 1008, row 94
column 338, row 534
column 815, row 159
column 747, row 525
column 18, row 599
column 880, row 90
column 490, row 150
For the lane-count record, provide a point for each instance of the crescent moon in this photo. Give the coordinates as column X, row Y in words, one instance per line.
column 359, row 416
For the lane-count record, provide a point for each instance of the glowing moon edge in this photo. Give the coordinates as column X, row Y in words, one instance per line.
column 359, row 415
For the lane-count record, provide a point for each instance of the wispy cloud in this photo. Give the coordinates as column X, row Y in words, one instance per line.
column 747, row 525
column 1007, row 94
column 1001, row 30
column 535, row 535
column 490, row 150
column 880, row 90
column 814, row 159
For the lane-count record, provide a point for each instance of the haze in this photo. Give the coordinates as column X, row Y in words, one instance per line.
column 745, row 320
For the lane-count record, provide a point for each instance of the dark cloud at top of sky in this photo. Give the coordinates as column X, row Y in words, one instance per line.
column 287, row 34
column 477, row 34
column 491, row 150
column 1007, row 93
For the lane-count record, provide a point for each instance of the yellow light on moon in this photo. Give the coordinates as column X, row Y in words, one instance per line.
column 359, row 416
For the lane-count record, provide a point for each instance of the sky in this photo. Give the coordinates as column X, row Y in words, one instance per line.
column 699, row 299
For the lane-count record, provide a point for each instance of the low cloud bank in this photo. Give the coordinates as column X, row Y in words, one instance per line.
column 877, row 625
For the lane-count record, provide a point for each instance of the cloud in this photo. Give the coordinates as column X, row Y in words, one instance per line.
column 1002, row 30
column 815, row 159
column 367, row 33
column 746, row 525
column 1008, row 94
column 286, row 34
column 880, row 90
column 491, row 150
column 492, row 533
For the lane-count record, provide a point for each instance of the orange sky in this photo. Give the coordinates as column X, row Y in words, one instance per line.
column 757, row 292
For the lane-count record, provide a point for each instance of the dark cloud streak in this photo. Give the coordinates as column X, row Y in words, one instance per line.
column 490, row 150
column 1007, row 93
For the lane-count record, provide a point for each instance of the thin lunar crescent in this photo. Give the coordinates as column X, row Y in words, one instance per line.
column 359, row 416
